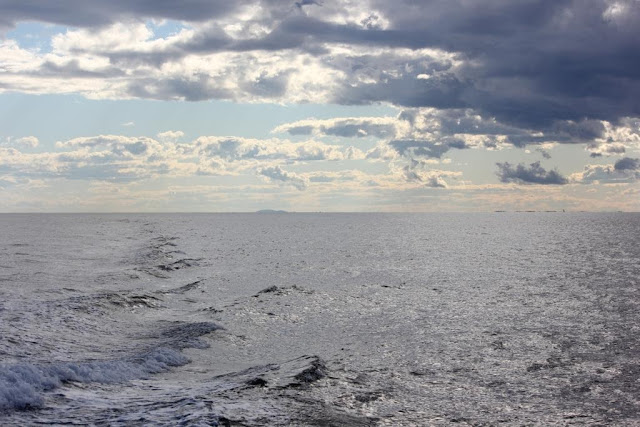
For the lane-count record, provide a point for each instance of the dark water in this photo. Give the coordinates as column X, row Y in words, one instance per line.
column 320, row 319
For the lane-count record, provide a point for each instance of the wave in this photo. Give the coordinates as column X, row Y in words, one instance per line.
column 293, row 373
column 105, row 301
column 182, row 289
column 22, row 386
column 158, row 258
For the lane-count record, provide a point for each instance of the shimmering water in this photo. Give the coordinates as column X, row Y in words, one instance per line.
column 320, row 319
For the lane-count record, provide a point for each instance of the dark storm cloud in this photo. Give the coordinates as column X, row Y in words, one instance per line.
column 93, row 13
column 556, row 67
column 584, row 130
column 627, row 163
column 445, row 91
column 566, row 132
column 533, row 174
column 532, row 64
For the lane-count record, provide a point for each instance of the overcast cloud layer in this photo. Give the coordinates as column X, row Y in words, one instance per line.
column 465, row 77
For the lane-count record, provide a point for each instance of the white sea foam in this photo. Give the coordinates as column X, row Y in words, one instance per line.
column 22, row 385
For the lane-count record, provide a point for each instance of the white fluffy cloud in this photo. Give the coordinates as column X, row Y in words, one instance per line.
column 27, row 142
column 247, row 149
column 625, row 170
column 348, row 127
column 126, row 158
column 170, row 135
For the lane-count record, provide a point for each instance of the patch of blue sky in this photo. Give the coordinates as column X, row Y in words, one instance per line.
column 35, row 36
column 54, row 118
column 165, row 28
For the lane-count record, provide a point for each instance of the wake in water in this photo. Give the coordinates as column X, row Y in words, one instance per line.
column 135, row 335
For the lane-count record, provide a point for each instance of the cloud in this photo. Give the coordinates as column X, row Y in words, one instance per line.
column 117, row 144
column 430, row 132
column 7, row 181
column 607, row 149
column 627, row 164
column 625, row 170
column 96, row 13
column 276, row 174
column 424, row 148
column 468, row 124
column 348, row 127
column 130, row 159
column 420, row 132
column 544, row 153
column 381, row 152
column 353, row 153
column 27, row 141
column 534, row 174
column 556, row 68
column 170, row 135
column 126, row 158
column 336, row 176
column 546, row 68
column 120, row 158
column 102, row 157
column 420, row 171
column 233, row 149
column 625, row 131
column 74, row 69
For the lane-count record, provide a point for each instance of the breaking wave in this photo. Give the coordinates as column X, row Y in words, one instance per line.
column 22, row 386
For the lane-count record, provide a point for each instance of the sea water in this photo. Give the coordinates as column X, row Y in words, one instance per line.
column 320, row 319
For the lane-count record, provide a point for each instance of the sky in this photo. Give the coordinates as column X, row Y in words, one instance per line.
column 369, row 105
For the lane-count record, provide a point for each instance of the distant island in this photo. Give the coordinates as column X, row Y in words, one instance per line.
column 533, row 211
column 270, row 211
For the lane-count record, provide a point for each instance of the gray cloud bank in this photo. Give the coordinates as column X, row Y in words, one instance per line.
column 96, row 13
column 554, row 66
column 627, row 163
column 533, row 174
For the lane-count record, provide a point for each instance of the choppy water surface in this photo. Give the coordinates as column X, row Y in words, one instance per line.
column 320, row 319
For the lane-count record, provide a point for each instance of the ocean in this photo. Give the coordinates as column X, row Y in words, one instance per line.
column 273, row 319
